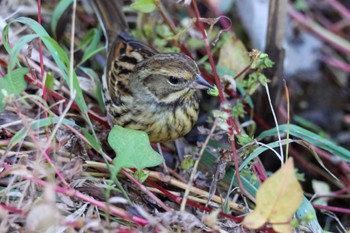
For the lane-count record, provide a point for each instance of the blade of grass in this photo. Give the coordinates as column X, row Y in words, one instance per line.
column 58, row 54
column 310, row 137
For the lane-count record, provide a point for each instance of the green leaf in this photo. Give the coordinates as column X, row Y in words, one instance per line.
column 57, row 13
column 259, row 150
column 140, row 175
column 98, row 88
column 310, row 137
column 187, row 163
column 309, row 125
column 91, row 40
column 163, row 30
column 145, row 6
column 244, row 139
column 262, row 61
column 133, row 149
column 50, row 79
column 209, row 159
column 12, row 84
column 93, row 142
column 17, row 48
column 262, row 79
column 220, row 114
column 238, row 110
column 213, row 91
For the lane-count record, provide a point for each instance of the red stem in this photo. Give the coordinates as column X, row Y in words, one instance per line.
column 339, row 64
column 332, row 208
column 11, row 209
column 342, row 9
column 207, row 46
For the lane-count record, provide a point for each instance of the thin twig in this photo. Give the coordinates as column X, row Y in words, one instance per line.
column 195, row 167
column 288, row 117
column 148, row 192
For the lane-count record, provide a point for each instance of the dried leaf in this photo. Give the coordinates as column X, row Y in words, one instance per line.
column 277, row 200
column 234, row 55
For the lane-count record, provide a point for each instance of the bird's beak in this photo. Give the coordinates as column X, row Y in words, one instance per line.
column 201, row 83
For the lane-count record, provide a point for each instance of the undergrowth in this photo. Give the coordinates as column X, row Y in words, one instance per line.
column 58, row 165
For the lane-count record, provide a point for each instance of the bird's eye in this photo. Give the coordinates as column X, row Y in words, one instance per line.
column 173, row 80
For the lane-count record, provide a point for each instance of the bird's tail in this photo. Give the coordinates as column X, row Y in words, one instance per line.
column 111, row 18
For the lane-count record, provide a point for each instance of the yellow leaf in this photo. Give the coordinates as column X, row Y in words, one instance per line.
column 276, row 200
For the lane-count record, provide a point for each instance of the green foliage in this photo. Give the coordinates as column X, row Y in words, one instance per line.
column 301, row 5
column 187, row 163
column 221, row 114
column 50, row 80
column 244, row 139
column 141, row 176
column 160, row 34
column 163, row 30
column 249, row 180
column 92, row 140
column 58, row 54
column 309, row 125
column 259, row 150
column 300, row 175
column 238, row 109
column 213, row 91
column 89, row 44
column 11, row 85
column 145, row 6
column 133, row 149
column 309, row 137
column 97, row 90
column 261, row 61
column 57, row 13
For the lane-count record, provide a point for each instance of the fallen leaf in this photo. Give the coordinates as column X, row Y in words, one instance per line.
column 234, row 55
column 277, row 199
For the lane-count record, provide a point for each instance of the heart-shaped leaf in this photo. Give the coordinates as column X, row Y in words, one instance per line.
column 133, row 149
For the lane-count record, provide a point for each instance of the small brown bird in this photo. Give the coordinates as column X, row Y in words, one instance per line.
column 144, row 89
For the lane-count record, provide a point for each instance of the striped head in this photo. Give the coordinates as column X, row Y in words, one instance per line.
column 168, row 78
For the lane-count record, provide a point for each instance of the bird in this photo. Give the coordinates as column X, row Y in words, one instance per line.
column 144, row 89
